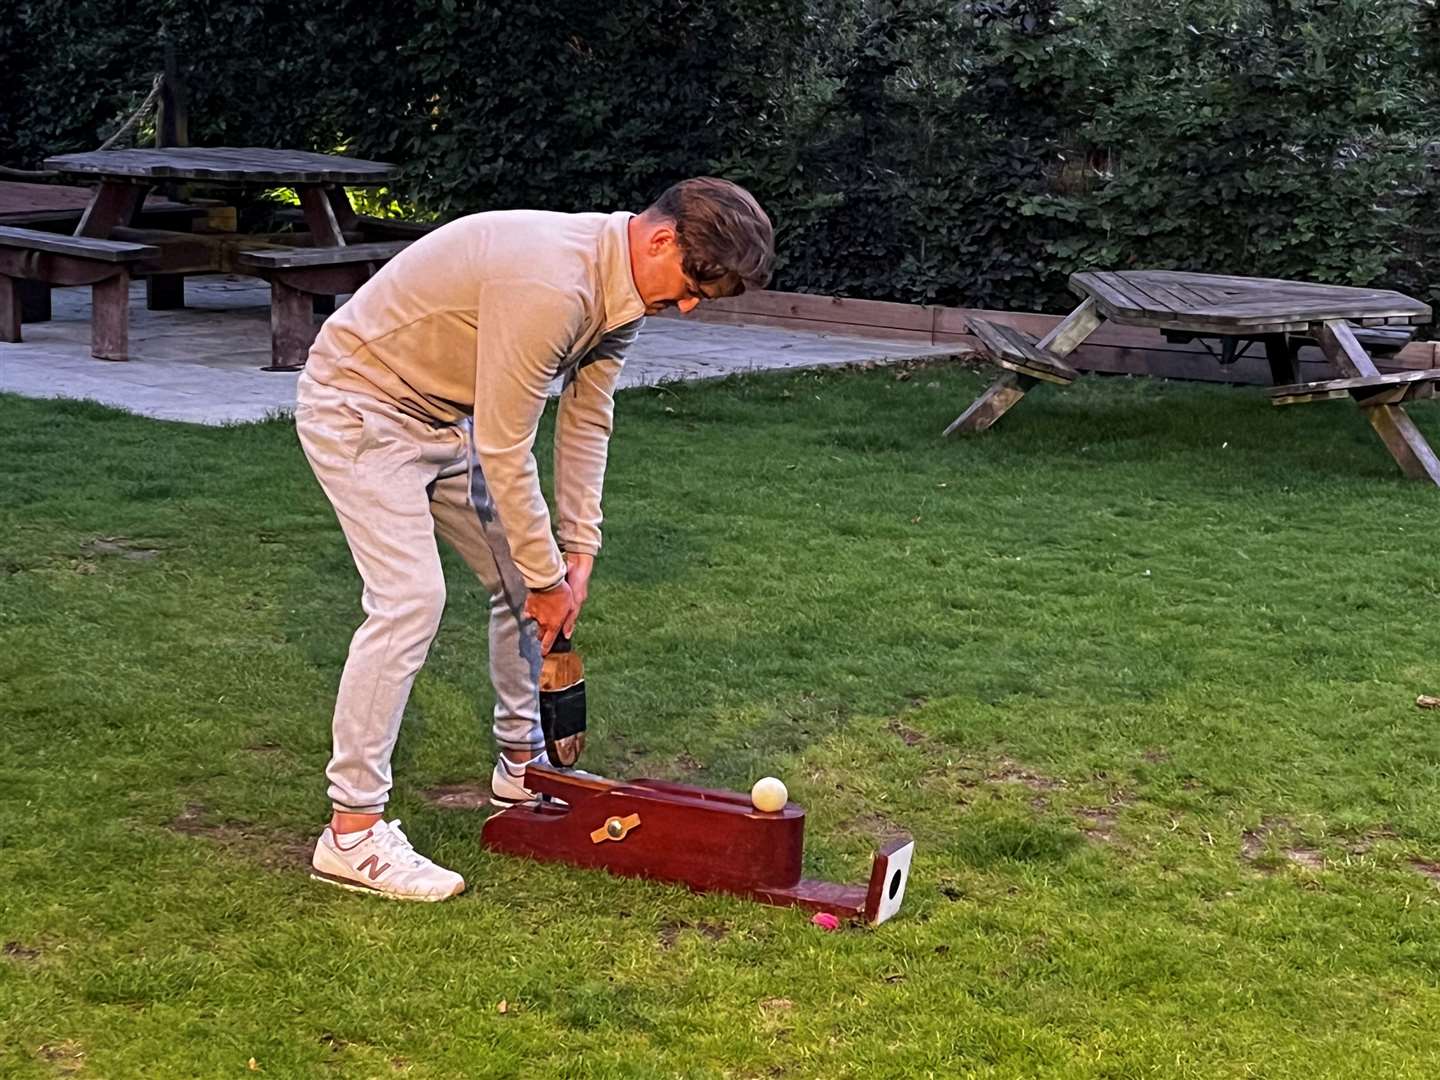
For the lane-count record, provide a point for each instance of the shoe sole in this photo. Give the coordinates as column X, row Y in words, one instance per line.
column 370, row 890
column 538, row 800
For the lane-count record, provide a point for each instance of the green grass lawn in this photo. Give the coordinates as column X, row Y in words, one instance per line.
column 1137, row 669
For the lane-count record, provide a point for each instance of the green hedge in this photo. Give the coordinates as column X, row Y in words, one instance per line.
column 915, row 150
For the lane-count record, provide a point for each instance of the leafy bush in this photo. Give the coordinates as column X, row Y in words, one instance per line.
column 916, row 150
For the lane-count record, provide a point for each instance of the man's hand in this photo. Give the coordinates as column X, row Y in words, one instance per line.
column 553, row 609
column 577, row 572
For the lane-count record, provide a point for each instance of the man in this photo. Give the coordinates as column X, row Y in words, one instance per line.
column 417, row 410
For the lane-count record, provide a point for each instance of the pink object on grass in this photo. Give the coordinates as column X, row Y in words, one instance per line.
column 826, row 921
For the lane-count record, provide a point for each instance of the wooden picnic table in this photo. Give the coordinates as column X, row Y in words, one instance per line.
column 123, row 178
column 1238, row 311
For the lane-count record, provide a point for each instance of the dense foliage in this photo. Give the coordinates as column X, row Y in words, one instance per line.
column 917, row 150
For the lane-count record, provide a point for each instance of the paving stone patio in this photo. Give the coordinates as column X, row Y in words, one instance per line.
column 202, row 364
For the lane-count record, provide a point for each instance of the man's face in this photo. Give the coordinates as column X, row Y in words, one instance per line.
column 660, row 275
column 671, row 286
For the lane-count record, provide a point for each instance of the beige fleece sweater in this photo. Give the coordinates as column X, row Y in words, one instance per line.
column 478, row 318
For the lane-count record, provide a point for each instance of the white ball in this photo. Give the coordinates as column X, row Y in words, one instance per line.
column 769, row 794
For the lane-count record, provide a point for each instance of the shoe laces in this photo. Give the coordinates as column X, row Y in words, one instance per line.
column 397, row 845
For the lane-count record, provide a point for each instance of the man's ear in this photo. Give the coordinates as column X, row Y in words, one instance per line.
column 661, row 238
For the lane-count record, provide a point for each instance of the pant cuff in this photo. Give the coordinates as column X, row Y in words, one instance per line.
column 378, row 808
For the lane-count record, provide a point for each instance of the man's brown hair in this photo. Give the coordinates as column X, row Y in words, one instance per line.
column 725, row 238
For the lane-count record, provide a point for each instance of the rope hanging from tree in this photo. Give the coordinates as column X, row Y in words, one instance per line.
column 145, row 107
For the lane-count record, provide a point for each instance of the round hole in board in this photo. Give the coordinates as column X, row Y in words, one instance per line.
column 895, row 881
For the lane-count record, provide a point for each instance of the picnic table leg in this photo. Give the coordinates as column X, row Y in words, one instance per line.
column 328, row 214
column 320, row 216
column 1004, row 392
column 340, row 205
column 9, row 308
column 1410, row 449
column 1284, row 360
column 110, row 317
column 1070, row 332
column 114, row 203
column 292, row 327
column 992, row 404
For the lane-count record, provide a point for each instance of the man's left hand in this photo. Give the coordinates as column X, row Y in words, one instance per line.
column 578, row 566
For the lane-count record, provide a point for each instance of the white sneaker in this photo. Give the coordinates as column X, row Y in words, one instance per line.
column 507, row 782
column 382, row 861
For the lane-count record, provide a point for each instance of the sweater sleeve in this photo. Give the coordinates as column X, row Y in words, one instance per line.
column 526, row 330
column 582, row 440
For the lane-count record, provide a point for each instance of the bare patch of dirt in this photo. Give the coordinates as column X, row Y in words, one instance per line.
column 1156, row 755
column 17, row 951
column 1255, row 844
column 121, row 547
column 1306, row 857
column 1426, row 868
column 777, row 1005
column 1366, row 841
column 67, row 1057
column 875, row 825
column 688, row 763
column 472, row 796
column 1007, row 771
column 188, row 820
column 1252, row 845
column 1099, row 822
column 905, row 733
column 273, row 849
column 671, row 931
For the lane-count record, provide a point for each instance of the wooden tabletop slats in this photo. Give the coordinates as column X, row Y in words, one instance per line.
column 232, row 164
column 1015, row 351
column 1218, row 302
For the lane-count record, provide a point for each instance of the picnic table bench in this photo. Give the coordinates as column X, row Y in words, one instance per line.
column 1239, row 311
column 104, row 265
column 297, row 276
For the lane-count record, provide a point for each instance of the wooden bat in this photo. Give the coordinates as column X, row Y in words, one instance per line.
column 562, row 703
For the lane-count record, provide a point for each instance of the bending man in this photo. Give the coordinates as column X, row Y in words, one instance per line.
column 417, row 410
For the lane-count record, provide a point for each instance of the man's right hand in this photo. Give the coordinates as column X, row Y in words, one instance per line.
column 551, row 609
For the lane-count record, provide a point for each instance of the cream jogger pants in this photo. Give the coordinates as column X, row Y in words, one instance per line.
column 395, row 483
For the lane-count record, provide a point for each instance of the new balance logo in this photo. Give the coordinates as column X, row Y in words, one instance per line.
column 373, row 867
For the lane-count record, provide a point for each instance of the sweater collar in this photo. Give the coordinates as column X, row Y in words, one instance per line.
column 622, row 299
